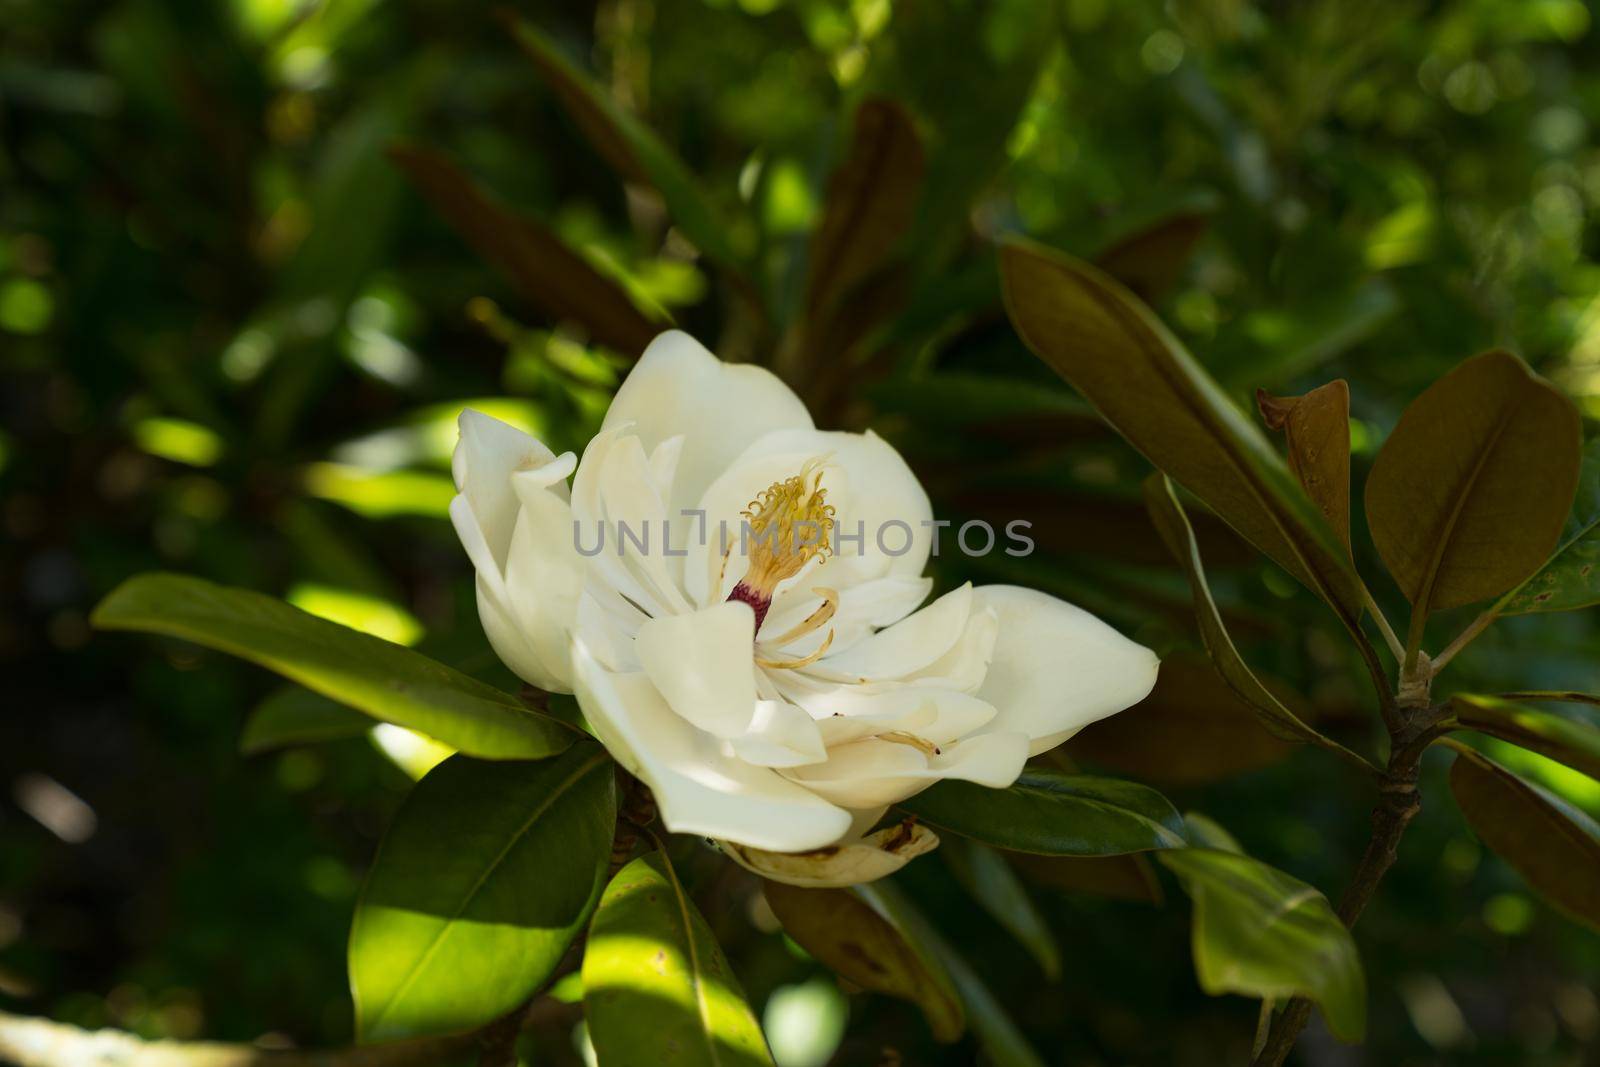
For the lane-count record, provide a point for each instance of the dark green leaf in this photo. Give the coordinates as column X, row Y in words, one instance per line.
column 1054, row 814
column 1551, row 844
column 296, row 716
column 1468, row 495
column 1107, row 344
column 1570, row 579
column 657, row 989
column 487, row 874
column 629, row 146
column 374, row 676
column 1574, row 743
column 1259, row 932
column 549, row 274
column 1128, row 877
column 985, row 874
column 864, row 946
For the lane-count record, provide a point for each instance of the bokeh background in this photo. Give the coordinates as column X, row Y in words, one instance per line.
column 233, row 342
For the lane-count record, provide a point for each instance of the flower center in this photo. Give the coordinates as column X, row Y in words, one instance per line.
column 786, row 526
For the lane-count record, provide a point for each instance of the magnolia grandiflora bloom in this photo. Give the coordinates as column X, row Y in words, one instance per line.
column 735, row 598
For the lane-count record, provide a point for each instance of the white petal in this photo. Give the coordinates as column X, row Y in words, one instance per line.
column 873, row 772
column 677, row 387
column 908, row 646
column 698, row 789
column 780, row 735
column 509, row 641
column 543, row 577
column 704, row 665
column 865, row 860
column 939, row 716
column 862, row 609
column 487, row 454
column 1056, row 668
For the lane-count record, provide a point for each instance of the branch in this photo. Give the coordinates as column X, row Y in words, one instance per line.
column 28, row 1042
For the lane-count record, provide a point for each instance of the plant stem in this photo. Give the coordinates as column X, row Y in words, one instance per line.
column 1477, row 626
column 1398, row 803
column 1384, row 628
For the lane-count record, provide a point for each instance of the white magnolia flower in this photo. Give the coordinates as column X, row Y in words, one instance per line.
column 747, row 639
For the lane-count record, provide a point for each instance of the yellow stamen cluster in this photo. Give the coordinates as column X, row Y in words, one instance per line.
column 790, row 523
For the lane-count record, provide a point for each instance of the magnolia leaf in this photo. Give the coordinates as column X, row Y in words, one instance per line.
column 1259, row 932
column 865, row 946
column 1575, row 744
column 1054, row 814
column 1150, row 261
column 1003, row 1044
column 297, row 716
column 1469, row 494
column 485, row 878
column 1192, row 729
column 1127, row 877
column 871, row 201
column 985, row 874
column 1570, row 579
column 657, row 988
column 1173, row 525
column 629, row 146
column 1316, row 428
column 545, row 271
column 1555, row 847
column 1101, row 339
column 373, row 676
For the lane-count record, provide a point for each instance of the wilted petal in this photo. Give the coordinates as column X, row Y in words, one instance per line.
column 697, row 788
column 874, row 856
column 1056, row 668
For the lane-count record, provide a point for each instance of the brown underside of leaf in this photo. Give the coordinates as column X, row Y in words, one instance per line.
column 1150, row 261
column 1316, row 429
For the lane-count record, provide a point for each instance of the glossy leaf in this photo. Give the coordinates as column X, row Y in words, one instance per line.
column 1003, row 1043
column 1054, row 814
column 658, row 991
column 1570, row 579
column 1316, row 429
column 1469, row 494
column 485, row 878
column 1259, row 932
column 865, row 947
column 381, row 679
column 545, row 271
column 1101, row 339
column 1173, row 525
column 297, row 716
column 628, row 145
column 1151, row 260
column 1192, row 729
column 1576, row 744
column 1555, row 847
column 985, row 874
column 871, row 201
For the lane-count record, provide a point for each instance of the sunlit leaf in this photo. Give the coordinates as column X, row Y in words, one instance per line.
column 1173, row 524
column 1259, row 932
column 985, row 874
column 549, row 274
column 486, row 876
column 1107, row 344
column 1192, row 728
column 1571, row 577
column 1054, row 814
column 865, row 947
column 384, row 680
column 381, row 494
column 1575, row 744
column 1468, row 495
column 1550, row 843
column 1316, row 428
column 629, row 146
column 296, row 716
column 657, row 988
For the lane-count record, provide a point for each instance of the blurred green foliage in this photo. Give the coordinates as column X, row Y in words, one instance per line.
column 233, row 343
